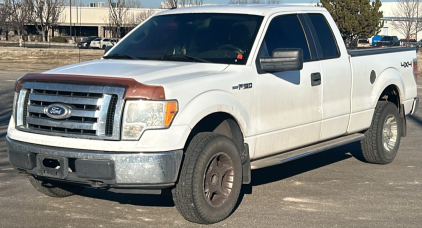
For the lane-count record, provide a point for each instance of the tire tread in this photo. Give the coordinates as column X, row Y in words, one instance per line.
column 183, row 195
column 371, row 150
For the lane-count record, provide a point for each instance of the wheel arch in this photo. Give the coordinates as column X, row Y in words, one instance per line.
column 225, row 124
column 221, row 123
column 389, row 86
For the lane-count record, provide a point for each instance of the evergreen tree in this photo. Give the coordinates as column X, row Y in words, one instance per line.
column 355, row 18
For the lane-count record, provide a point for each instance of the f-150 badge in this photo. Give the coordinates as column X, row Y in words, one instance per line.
column 242, row 86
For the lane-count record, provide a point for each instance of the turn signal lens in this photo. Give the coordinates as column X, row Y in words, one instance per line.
column 171, row 110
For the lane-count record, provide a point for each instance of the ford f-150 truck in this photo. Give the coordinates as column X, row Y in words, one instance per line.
column 194, row 98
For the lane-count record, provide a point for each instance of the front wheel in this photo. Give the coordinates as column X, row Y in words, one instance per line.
column 210, row 179
column 382, row 139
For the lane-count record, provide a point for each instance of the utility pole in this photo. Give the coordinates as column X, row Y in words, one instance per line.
column 417, row 19
column 71, row 20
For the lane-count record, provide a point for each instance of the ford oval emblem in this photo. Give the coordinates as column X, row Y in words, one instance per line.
column 58, row 111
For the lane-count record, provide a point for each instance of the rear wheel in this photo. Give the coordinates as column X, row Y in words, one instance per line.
column 382, row 139
column 104, row 46
column 54, row 189
column 210, row 179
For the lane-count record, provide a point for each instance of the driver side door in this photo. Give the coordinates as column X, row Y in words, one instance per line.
column 288, row 105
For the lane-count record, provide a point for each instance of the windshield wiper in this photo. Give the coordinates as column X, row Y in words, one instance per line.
column 119, row 56
column 181, row 56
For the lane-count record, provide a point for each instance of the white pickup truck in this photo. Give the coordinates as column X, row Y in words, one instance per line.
column 194, row 98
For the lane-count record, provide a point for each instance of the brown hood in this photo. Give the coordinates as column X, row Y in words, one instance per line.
column 134, row 89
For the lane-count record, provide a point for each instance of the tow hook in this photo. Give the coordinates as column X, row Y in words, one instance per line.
column 97, row 184
column 22, row 172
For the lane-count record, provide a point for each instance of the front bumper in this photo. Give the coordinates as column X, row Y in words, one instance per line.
column 84, row 167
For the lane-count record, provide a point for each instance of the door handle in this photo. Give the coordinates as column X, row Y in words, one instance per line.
column 315, row 79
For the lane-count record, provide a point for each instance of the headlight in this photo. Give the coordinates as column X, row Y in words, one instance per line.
column 140, row 115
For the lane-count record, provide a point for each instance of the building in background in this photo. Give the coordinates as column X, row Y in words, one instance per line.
column 93, row 20
column 99, row 4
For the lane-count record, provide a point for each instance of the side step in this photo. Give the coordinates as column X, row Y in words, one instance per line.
column 305, row 151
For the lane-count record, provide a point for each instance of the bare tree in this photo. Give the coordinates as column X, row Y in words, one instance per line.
column 255, row 2
column 45, row 15
column 407, row 11
column 171, row 4
column 134, row 19
column 238, row 2
column 119, row 15
column 133, row 4
column 5, row 18
column 74, row 3
column 22, row 12
column 197, row 2
column 187, row 3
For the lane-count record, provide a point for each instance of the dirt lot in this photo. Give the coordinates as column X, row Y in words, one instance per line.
column 38, row 60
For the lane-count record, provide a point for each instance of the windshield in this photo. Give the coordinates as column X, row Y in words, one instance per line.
column 197, row 37
column 387, row 38
column 88, row 39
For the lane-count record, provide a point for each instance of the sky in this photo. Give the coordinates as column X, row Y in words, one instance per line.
column 156, row 3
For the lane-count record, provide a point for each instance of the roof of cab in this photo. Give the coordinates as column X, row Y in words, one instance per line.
column 253, row 9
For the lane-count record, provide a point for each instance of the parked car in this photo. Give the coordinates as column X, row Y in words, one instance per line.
column 96, row 43
column 194, row 98
column 103, row 42
column 85, row 43
column 363, row 43
column 388, row 41
column 108, row 42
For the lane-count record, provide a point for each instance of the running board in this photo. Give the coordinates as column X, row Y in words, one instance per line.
column 305, row 151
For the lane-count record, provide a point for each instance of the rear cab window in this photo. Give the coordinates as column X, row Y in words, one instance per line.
column 323, row 36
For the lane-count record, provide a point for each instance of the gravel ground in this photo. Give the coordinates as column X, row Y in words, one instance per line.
column 38, row 60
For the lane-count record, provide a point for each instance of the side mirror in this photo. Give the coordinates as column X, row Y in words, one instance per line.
column 107, row 48
column 283, row 59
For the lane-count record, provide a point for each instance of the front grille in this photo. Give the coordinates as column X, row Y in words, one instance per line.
column 95, row 111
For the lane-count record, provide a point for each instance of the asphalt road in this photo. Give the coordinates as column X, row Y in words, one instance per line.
column 330, row 189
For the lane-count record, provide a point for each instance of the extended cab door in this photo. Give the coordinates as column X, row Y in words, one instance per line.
column 336, row 76
column 287, row 104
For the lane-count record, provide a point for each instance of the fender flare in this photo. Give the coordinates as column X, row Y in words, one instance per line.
column 389, row 76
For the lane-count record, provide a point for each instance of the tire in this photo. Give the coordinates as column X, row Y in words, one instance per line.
column 54, row 189
column 211, row 166
column 382, row 139
column 104, row 46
